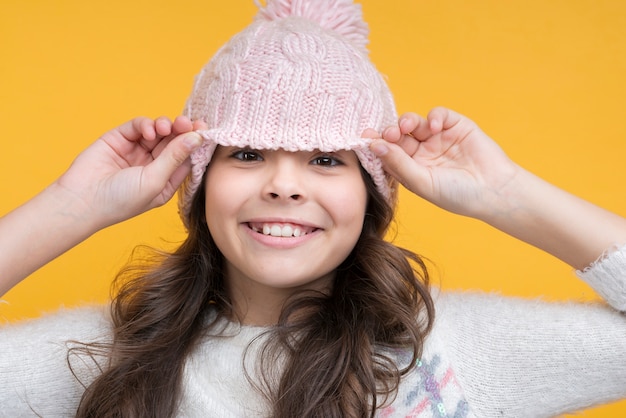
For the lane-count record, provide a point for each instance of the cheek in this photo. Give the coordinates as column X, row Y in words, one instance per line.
column 350, row 205
column 221, row 195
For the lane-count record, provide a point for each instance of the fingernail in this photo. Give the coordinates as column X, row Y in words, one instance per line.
column 435, row 126
column 192, row 140
column 402, row 125
column 379, row 149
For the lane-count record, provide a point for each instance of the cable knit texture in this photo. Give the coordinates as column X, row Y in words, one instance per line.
column 487, row 356
column 299, row 79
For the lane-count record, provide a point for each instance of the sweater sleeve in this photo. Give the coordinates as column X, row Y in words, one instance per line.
column 528, row 358
column 607, row 277
column 35, row 374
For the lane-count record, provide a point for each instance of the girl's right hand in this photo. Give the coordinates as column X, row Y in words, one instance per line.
column 131, row 169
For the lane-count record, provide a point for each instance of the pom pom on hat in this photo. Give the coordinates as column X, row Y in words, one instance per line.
column 298, row 78
column 342, row 16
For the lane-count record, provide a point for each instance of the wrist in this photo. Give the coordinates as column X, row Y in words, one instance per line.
column 507, row 197
column 518, row 202
column 566, row 226
column 70, row 210
column 43, row 228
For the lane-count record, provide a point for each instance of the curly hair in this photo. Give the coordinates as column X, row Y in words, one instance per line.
column 335, row 347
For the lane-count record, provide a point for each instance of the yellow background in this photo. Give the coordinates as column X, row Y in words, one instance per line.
column 544, row 78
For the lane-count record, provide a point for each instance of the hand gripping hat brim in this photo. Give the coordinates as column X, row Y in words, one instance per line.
column 289, row 81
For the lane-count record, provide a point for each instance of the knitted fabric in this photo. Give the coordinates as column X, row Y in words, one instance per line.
column 297, row 79
column 487, row 356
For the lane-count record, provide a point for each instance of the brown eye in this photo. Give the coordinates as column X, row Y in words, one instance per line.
column 326, row 160
column 247, row 155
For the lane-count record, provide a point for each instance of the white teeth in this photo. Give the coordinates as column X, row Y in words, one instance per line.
column 275, row 231
column 281, row 231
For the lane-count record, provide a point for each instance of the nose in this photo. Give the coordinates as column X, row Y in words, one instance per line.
column 284, row 179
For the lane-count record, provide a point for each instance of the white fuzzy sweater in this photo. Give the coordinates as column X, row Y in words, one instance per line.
column 487, row 356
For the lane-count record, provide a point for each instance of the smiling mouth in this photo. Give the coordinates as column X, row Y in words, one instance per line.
column 281, row 230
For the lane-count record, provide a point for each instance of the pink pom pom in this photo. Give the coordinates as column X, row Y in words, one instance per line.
column 342, row 16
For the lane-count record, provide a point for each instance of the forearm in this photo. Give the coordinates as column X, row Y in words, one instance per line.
column 129, row 170
column 555, row 221
column 39, row 231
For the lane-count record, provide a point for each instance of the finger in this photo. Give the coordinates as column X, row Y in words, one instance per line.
column 181, row 125
column 160, row 146
column 370, row 134
column 392, row 134
column 409, row 125
column 199, row 124
column 409, row 144
column 147, row 129
column 407, row 122
column 163, row 126
column 137, row 128
column 174, row 155
column 441, row 118
column 414, row 125
column 153, row 131
column 400, row 165
column 406, row 141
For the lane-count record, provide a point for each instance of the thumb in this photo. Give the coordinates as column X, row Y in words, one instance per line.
column 172, row 164
column 401, row 166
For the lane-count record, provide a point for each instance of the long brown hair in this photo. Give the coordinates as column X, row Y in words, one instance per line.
column 336, row 365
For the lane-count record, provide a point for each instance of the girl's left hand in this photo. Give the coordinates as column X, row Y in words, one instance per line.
column 447, row 160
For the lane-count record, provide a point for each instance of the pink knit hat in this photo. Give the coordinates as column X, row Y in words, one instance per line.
column 299, row 79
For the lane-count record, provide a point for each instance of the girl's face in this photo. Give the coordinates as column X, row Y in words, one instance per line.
column 283, row 220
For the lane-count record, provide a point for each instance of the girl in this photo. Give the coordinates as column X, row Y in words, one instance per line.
column 285, row 300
